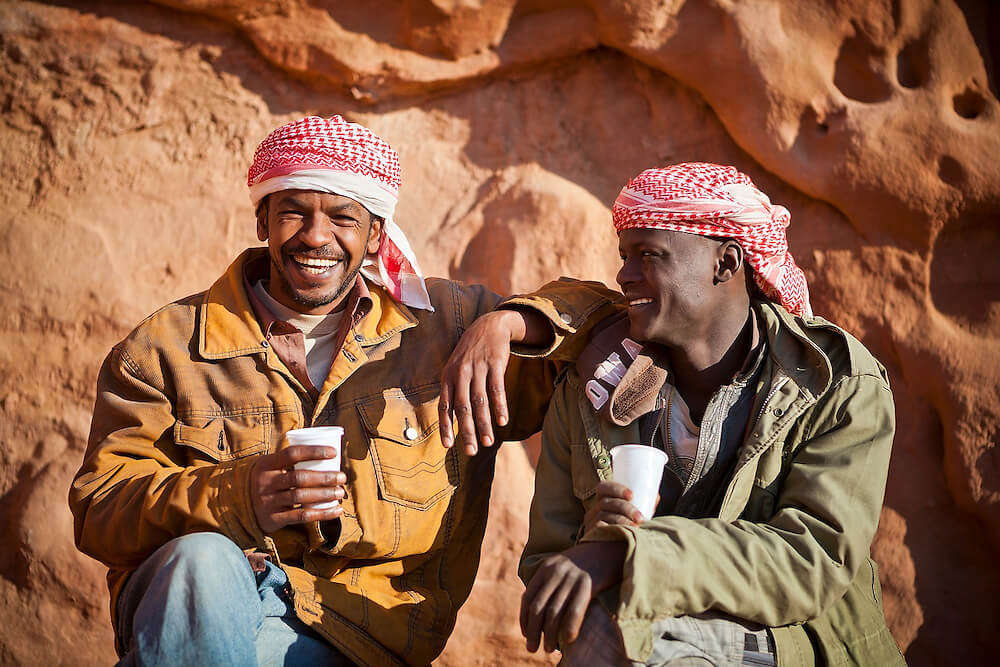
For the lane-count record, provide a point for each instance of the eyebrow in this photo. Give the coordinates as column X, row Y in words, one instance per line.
column 295, row 202
column 353, row 206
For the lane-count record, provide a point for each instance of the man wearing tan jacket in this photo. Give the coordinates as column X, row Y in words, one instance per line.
column 188, row 492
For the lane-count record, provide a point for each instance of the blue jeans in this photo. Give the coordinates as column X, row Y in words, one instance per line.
column 196, row 601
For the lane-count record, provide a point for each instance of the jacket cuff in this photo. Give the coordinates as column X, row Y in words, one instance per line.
column 642, row 572
column 566, row 303
column 537, row 351
column 233, row 507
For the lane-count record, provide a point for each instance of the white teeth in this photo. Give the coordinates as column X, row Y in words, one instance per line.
column 639, row 302
column 313, row 265
column 314, row 270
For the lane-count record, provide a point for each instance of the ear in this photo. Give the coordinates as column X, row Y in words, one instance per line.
column 374, row 234
column 729, row 261
column 262, row 210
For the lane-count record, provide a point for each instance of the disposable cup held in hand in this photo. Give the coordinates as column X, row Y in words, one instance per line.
column 318, row 436
column 640, row 468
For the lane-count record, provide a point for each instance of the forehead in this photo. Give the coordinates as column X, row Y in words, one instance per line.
column 659, row 237
column 313, row 198
column 678, row 243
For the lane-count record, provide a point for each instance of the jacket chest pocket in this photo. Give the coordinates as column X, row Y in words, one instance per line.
column 412, row 468
column 225, row 438
column 583, row 470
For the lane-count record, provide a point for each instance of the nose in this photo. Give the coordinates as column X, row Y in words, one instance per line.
column 629, row 273
column 316, row 231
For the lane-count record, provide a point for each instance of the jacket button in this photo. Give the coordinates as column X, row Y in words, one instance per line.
column 602, row 461
column 263, row 343
column 410, row 433
column 778, row 412
column 358, row 337
column 565, row 318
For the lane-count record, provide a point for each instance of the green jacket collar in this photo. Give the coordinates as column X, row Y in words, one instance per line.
column 793, row 351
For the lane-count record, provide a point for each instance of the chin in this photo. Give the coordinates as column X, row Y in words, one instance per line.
column 315, row 300
column 638, row 333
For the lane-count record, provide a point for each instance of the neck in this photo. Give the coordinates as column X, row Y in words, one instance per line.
column 704, row 363
column 274, row 289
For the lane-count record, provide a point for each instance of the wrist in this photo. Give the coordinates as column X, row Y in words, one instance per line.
column 512, row 323
column 603, row 561
column 527, row 326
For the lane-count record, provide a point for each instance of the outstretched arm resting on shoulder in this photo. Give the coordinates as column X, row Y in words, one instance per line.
column 552, row 323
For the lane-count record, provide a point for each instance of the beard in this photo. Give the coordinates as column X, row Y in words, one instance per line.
column 311, row 301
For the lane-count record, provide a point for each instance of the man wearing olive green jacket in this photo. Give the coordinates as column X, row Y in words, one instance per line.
column 777, row 426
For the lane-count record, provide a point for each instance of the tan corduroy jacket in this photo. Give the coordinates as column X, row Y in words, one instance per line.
column 193, row 395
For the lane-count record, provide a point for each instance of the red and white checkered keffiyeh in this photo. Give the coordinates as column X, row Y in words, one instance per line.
column 715, row 200
column 335, row 156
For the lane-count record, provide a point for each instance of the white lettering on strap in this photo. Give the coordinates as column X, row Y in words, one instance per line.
column 611, row 370
column 632, row 348
column 597, row 394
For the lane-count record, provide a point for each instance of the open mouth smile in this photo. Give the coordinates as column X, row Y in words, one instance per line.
column 634, row 303
column 314, row 266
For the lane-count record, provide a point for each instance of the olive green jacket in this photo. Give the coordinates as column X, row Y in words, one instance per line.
column 790, row 545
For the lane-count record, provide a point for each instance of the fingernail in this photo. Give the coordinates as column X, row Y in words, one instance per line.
column 487, row 441
column 502, row 419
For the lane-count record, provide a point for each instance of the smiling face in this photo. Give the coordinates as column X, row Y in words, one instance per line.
column 674, row 282
column 316, row 242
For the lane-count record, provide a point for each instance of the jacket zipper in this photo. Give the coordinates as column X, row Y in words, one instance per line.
column 774, row 390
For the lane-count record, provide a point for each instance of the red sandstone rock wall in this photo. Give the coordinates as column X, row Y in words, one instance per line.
column 126, row 131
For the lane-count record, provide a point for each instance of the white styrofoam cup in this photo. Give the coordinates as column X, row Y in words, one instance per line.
column 319, row 436
column 640, row 468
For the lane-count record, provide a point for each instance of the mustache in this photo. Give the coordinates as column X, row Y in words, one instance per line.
column 326, row 252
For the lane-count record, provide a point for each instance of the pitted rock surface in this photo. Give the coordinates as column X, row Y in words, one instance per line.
column 127, row 130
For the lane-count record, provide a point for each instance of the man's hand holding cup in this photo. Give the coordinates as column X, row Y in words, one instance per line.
column 301, row 483
column 612, row 506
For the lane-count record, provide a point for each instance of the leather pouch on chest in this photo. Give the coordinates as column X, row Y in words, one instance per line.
column 621, row 378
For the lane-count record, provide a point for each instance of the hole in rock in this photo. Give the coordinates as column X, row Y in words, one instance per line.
column 950, row 171
column 988, row 465
column 969, row 103
column 858, row 72
column 965, row 273
column 913, row 64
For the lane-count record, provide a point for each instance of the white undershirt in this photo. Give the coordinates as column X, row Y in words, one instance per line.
column 320, row 332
